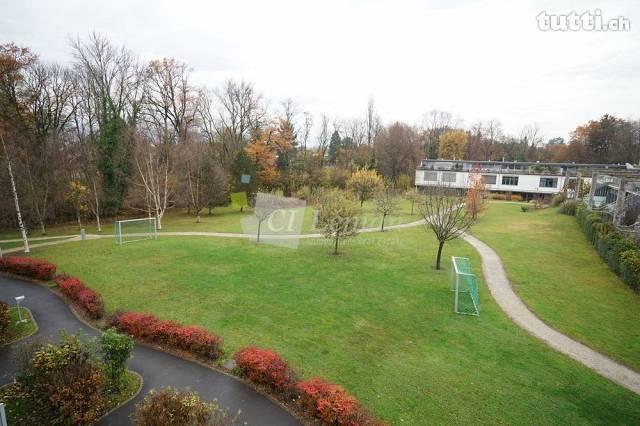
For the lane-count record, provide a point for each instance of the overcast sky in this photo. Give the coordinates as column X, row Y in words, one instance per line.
column 477, row 59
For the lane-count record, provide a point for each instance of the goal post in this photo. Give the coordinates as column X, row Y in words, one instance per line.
column 128, row 231
column 465, row 287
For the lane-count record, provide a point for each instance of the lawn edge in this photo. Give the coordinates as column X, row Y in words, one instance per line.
column 35, row 331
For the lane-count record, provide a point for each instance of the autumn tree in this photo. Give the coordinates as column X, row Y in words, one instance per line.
column 452, row 144
column 444, row 213
column 386, row 202
column 397, row 150
column 267, row 145
column 364, row 184
column 475, row 197
column 338, row 217
column 77, row 196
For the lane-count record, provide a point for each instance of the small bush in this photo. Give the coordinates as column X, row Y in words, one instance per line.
column 516, row 197
column 265, row 367
column 525, row 208
column 61, row 384
column 28, row 267
column 496, row 196
column 85, row 298
column 569, row 207
column 5, row 320
column 630, row 267
column 557, row 199
column 116, row 350
column 168, row 407
column 195, row 340
column 332, row 404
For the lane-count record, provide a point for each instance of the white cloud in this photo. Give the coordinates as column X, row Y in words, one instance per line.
column 478, row 59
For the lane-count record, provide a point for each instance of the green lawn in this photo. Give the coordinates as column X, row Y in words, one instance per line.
column 562, row 279
column 222, row 219
column 376, row 319
column 23, row 329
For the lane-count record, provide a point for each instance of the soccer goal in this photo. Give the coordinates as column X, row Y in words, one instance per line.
column 128, row 231
column 465, row 287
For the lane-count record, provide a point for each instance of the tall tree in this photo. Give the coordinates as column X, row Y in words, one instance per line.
column 452, row 145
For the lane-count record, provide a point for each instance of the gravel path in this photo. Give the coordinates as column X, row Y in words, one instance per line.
column 157, row 368
column 501, row 290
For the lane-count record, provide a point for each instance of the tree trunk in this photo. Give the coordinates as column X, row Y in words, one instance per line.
column 98, row 222
column 335, row 250
column 440, row 245
column 413, row 202
column 259, row 225
column 79, row 221
column 43, row 230
column 15, row 199
column 383, row 216
column 198, row 218
column 159, row 221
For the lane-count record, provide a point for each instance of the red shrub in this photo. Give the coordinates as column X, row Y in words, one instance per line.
column 84, row 297
column 28, row 267
column 332, row 404
column 264, row 367
column 147, row 327
column 91, row 302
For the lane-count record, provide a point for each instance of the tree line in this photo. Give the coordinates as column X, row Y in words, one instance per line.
column 109, row 135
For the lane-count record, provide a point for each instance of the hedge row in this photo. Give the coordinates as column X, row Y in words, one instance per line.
column 621, row 254
column 82, row 296
column 318, row 398
column 28, row 267
column 147, row 327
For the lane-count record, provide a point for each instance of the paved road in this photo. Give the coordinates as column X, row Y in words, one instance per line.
column 158, row 368
column 510, row 303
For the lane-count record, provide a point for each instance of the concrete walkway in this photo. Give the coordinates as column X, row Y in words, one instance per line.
column 157, row 368
column 501, row 290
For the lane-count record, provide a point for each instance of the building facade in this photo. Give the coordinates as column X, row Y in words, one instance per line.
column 506, row 176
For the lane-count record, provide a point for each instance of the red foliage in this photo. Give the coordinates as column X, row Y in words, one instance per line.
column 332, row 404
column 84, row 297
column 265, row 367
column 195, row 340
column 28, row 267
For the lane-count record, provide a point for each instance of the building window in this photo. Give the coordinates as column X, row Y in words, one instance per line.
column 546, row 182
column 430, row 176
column 510, row 180
column 448, row 177
column 489, row 179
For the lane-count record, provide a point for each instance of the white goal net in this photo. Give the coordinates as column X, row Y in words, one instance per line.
column 128, row 231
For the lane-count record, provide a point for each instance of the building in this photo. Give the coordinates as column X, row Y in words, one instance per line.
column 522, row 178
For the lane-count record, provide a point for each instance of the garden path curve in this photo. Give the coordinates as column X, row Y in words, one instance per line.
column 501, row 290
column 156, row 367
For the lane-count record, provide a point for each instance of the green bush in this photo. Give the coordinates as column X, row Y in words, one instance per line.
column 568, row 207
column 630, row 268
column 525, row 208
column 615, row 252
column 557, row 199
column 116, row 350
column 60, row 384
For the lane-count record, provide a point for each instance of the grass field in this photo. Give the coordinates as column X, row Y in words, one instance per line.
column 23, row 329
column 222, row 219
column 562, row 279
column 376, row 319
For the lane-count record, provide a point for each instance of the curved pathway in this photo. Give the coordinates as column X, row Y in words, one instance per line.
column 157, row 368
column 501, row 290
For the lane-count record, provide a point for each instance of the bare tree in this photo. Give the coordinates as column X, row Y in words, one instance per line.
column 338, row 217
column 530, row 139
column 386, row 202
column 306, row 132
column 154, row 164
column 444, row 213
column 323, row 138
column 16, row 201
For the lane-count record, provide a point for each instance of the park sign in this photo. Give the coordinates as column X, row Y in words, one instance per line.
column 276, row 220
column 246, row 179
